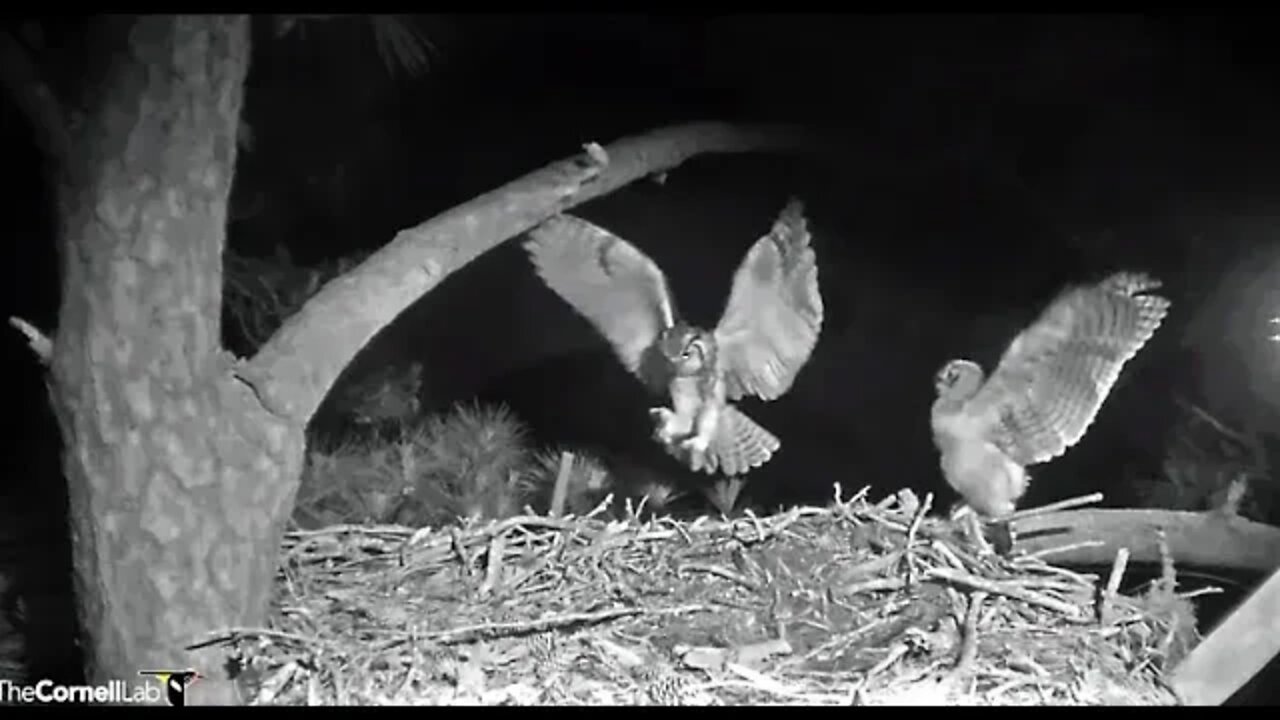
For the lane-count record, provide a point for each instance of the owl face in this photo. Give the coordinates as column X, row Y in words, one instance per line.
column 686, row 348
column 958, row 379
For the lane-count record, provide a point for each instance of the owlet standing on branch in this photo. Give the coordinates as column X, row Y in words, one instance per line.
column 1045, row 392
column 766, row 334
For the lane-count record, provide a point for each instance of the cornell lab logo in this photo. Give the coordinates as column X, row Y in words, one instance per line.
column 175, row 683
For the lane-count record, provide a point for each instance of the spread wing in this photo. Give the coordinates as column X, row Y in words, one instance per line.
column 1053, row 379
column 774, row 313
column 617, row 288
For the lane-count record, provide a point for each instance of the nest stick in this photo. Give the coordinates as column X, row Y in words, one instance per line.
column 969, row 643
column 561, row 489
column 1067, row 504
column 1113, row 585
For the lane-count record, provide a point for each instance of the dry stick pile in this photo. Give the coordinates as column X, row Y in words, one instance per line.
column 853, row 603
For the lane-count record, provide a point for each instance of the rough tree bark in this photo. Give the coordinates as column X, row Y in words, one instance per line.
column 182, row 461
column 178, row 479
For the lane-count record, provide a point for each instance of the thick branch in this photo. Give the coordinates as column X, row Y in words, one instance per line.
column 294, row 370
column 21, row 80
column 1211, row 539
column 1234, row 652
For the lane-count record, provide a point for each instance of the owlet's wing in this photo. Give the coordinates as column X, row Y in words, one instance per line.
column 1054, row 377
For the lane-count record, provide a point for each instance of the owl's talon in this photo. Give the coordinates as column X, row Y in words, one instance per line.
column 697, row 447
column 697, row 461
column 664, row 424
column 697, row 444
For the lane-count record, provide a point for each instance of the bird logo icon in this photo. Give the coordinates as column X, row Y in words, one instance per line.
column 175, row 683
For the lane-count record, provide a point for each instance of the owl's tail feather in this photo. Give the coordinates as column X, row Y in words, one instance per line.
column 740, row 444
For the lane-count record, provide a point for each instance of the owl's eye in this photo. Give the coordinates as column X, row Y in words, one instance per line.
column 690, row 349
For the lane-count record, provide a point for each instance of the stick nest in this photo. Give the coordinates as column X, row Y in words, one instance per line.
column 855, row 603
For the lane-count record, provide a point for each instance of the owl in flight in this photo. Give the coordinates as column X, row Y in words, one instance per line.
column 766, row 334
column 1044, row 393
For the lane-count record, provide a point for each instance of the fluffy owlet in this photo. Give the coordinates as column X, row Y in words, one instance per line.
column 766, row 334
column 1045, row 392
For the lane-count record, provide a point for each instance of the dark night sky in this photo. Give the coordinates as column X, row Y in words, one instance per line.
column 980, row 149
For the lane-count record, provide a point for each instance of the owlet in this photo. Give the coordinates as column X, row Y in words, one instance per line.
column 1044, row 393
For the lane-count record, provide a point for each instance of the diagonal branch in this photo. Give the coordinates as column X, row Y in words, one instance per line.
column 292, row 372
column 1235, row 652
column 1200, row 539
column 21, row 80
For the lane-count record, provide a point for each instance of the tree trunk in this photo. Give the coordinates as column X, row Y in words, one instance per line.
column 178, row 479
column 182, row 462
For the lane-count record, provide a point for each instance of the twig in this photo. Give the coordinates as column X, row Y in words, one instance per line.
column 459, row 546
column 492, row 631
column 493, row 568
column 561, row 489
column 765, row 531
column 1056, row 506
column 996, row 588
column 385, row 533
column 760, row 681
column 838, row 491
column 1039, row 554
column 877, row 585
column 484, row 532
column 872, row 567
column 1217, row 424
column 720, row 572
column 755, row 523
column 918, row 518
column 895, row 653
column 1207, row 590
column 948, row 555
column 548, row 557
column 231, row 635
column 908, row 554
column 39, row 343
column 1113, row 586
column 603, row 507
column 969, row 641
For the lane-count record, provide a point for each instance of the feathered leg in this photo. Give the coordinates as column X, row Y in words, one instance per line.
column 704, row 430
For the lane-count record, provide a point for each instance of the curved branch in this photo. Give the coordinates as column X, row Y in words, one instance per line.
column 295, row 368
column 1203, row 539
